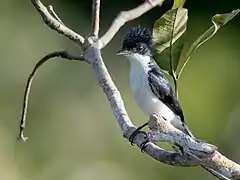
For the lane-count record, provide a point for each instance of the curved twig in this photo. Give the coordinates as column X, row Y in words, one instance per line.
column 62, row 54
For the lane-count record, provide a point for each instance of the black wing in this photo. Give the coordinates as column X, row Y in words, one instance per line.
column 162, row 89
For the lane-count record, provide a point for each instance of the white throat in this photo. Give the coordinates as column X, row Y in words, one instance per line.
column 139, row 61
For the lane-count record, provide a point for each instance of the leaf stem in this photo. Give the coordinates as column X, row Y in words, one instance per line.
column 175, row 81
column 172, row 73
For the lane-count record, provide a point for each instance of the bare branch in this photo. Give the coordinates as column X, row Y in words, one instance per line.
column 52, row 12
column 95, row 18
column 55, row 24
column 62, row 54
column 162, row 130
column 126, row 16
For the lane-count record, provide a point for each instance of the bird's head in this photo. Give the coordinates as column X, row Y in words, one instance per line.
column 137, row 43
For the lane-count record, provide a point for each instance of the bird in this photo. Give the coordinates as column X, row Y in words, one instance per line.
column 151, row 89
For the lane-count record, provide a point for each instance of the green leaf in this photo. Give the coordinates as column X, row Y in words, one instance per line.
column 218, row 21
column 178, row 3
column 168, row 36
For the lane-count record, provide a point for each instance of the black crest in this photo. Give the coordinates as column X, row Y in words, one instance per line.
column 138, row 40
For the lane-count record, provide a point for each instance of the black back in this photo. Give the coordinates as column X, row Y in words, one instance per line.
column 162, row 89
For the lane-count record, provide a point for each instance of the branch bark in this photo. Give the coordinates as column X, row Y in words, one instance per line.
column 52, row 12
column 208, row 156
column 55, row 24
column 95, row 18
column 194, row 153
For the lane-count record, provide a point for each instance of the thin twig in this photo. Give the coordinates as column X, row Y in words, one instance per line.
column 55, row 24
column 52, row 12
column 125, row 16
column 62, row 54
column 95, row 18
column 182, row 68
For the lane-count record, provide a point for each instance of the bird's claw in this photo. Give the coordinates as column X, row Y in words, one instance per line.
column 144, row 145
column 137, row 131
column 133, row 135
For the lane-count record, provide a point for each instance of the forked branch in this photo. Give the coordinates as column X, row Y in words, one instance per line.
column 55, row 24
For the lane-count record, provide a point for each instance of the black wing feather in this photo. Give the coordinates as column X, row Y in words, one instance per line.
column 162, row 89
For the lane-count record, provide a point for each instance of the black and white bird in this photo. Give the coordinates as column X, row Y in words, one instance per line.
column 151, row 89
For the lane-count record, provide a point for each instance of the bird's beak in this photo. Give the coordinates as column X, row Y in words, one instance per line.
column 123, row 52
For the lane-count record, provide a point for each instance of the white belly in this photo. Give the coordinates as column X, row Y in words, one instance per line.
column 149, row 103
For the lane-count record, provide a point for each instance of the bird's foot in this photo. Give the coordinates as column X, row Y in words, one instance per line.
column 144, row 144
column 134, row 134
column 137, row 131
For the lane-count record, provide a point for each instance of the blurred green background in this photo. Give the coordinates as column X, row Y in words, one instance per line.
column 72, row 132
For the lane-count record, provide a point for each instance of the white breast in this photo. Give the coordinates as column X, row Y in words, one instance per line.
column 144, row 97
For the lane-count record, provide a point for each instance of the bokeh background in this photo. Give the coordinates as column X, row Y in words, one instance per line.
column 72, row 132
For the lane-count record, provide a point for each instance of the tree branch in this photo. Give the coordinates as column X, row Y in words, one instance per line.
column 52, row 12
column 194, row 153
column 125, row 16
column 95, row 18
column 62, row 54
column 55, row 24
column 209, row 157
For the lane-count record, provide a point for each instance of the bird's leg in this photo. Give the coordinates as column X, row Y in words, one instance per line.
column 132, row 136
